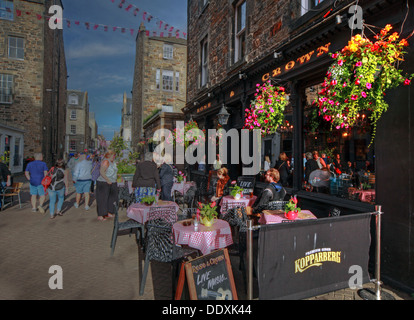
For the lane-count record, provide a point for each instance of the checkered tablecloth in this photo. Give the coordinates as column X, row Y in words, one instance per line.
column 278, row 216
column 206, row 239
column 228, row 202
column 139, row 211
column 182, row 187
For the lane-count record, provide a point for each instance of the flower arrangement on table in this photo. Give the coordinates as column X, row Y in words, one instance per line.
column 148, row 200
column 206, row 213
column 180, row 177
column 292, row 209
column 266, row 112
column 357, row 80
column 235, row 190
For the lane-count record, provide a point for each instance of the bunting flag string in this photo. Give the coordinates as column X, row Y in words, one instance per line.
column 96, row 26
column 146, row 16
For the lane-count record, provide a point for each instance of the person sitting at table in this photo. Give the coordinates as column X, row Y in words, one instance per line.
column 274, row 191
column 146, row 178
column 167, row 178
column 223, row 183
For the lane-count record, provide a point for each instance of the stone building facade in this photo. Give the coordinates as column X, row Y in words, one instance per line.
column 33, row 76
column 159, row 79
column 126, row 120
column 78, row 132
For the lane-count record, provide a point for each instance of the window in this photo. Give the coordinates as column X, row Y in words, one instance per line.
column 204, row 62
column 167, row 108
column 157, row 79
column 73, row 115
column 168, row 51
column 345, row 152
column 177, row 81
column 72, row 145
column 6, row 9
column 6, row 85
column 167, row 80
column 240, row 34
column 73, row 129
column 16, row 48
column 308, row 5
column 73, row 99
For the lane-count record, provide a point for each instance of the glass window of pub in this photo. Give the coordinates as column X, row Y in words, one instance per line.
column 345, row 160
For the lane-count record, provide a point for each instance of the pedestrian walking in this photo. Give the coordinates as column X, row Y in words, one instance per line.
column 35, row 172
column 82, row 179
column 58, row 188
column 166, row 178
column 106, row 187
column 146, row 179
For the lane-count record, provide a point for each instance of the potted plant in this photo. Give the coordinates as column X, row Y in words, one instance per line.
column 207, row 213
column 148, row 200
column 266, row 112
column 291, row 209
column 180, row 177
column 356, row 82
column 236, row 191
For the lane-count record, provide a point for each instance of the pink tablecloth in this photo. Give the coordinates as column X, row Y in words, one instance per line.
column 206, row 239
column 278, row 216
column 228, row 202
column 139, row 211
column 182, row 187
column 365, row 195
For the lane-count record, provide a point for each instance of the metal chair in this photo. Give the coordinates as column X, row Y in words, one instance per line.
column 276, row 205
column 13, row 190
column 167, row 213
column 160, row 246
column 187, row 213
column 127, row 225
column 229, row 205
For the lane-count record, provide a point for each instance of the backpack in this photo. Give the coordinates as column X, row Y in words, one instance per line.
column 47, row 180
column 95, row 172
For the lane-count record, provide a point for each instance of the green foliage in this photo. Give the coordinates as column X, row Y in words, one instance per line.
column 118, row 145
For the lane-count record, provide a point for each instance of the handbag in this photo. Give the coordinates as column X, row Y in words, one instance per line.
column 47, row 180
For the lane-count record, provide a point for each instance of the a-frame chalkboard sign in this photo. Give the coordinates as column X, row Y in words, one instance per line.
column 208, row 277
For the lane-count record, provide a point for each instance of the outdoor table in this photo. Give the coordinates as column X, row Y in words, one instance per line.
column 226, row 202
column 182, row 187
column 206, row 239
column 278, row 216
column 364, row 195
column 140, row 212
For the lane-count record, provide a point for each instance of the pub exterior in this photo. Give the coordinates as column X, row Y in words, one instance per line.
column 235, row 45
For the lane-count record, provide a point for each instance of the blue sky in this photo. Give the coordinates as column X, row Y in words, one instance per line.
column 102, row 63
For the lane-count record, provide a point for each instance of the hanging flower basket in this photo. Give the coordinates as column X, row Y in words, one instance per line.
column 357, row 80
column 266, row 112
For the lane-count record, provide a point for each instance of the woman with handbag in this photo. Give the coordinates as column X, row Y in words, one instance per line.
column 58, row 188
column 283, row 167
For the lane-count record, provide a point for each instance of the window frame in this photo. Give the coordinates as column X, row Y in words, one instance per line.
column 72, row 145
column 8, row 79
column 240, row 24
column 4, row 13
column 309, row 5
column 157, row 79
column 15, row 49
column 204, row 54
column 73, row 114
column 177, row 81
column 167, row 80
column 168, row 51
column 76, row 97
column 73, row 129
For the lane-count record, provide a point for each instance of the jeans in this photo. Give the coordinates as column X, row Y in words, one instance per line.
column 52, row 200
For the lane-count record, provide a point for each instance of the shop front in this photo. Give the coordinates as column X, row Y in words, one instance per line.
column 363, row 174
column 11, row 148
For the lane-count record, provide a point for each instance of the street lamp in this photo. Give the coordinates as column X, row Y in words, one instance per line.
column 223, row 116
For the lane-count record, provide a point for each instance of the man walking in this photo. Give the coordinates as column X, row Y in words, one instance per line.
column 35, row 172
